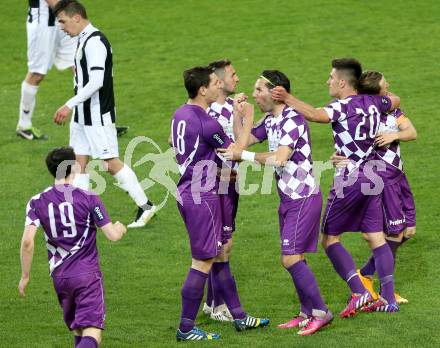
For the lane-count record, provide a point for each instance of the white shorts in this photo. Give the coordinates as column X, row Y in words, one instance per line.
column 48, row 46
column 99, row 142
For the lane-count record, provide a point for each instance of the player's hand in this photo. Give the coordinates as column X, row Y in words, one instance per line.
column 384, row 139
column 120, row 227
column 240, row 98
column 231, row 153
column 248, row 112
column 339, row 161
column 279, row 94
column 409, row 232
column 62, row 115
column 24, row 281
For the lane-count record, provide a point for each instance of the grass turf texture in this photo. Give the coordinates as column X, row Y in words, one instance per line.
column 153, row 42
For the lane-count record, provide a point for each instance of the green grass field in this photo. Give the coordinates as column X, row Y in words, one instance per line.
column 153, row 42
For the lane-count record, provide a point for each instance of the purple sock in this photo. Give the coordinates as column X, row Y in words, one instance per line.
column 227, row 287
column 344, row 265
column 192, row 295
column 217, row 295
column 393, row 247
column 77, row 340
column 304, row 280
column 369, row 268
column 209, row 296
column 87, row 342
column 385, row 269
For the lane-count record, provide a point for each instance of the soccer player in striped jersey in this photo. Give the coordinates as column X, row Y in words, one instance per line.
column 288, row 136
column 397, row 198
column 70, row 217
column 355, row 121
column 196, row 137
column 46, row 45
column 223, row 111
column 93, row 131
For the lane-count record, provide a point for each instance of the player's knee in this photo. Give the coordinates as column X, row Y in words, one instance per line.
column 375, row 239
column 329, row 240
column 289, row 260
column 34, row 78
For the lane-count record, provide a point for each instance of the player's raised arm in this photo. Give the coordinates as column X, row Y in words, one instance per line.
column 310, row 113
column 26, row 256
column 114, row 231
column 243, row 123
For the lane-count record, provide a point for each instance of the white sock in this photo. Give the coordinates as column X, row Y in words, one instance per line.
column 27, row 105
column 128, row 181
column 82, row 181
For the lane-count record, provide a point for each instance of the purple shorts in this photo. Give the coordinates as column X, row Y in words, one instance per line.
column 355, row 212
column 394, row 218
column 204, row 225
column 409, row 207
column 299, row 224
column 82, row 300
column 229, row 203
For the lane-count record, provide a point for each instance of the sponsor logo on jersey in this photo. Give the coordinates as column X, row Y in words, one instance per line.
column 218, row 138
column 98, row 213
column 285, row 242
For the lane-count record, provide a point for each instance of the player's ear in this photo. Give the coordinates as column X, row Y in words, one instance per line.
column 202, row 91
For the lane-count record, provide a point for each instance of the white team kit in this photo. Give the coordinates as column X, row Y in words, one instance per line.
column 47, row 43
column 92, row 130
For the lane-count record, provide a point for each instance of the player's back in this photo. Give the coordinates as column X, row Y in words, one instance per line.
column 68, row 216
column 195, row 137
column 355, row 121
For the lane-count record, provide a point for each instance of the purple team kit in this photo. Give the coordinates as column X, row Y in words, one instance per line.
column 70, row 234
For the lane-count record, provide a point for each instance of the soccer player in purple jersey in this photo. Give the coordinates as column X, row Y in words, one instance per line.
column 223, row 111
column 352, row 205
column 69, row 217
column 399, row 221
column 290, row 153
column 195, row 138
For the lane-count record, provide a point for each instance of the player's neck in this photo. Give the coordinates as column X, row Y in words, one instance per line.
column 84, row 23
column 64, row 181
column 221, row 98
column 200, row 101
column 278, row 109
column 347, row 93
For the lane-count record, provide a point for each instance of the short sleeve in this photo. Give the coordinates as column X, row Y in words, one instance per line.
column 384, row 104
column 290, row 132
column 31, row 214
column 98, row 212
column 214, row 134
column 334, row 111
column 96, row 54
column 259, row 131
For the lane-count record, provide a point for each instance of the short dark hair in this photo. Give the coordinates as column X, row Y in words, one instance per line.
column 56, row 157
column 195, row 78
column 275, row 78
column 219, row 66
column 351, row 69
column 369, row 82
column 70, row 7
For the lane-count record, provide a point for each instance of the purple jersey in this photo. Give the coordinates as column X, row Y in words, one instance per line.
column 224, row 114
column 391, row 153
column 294, row 180
column 195, row 137
column 355, row 121
column 69, row 228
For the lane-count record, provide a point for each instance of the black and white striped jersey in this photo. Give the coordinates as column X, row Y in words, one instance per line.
column 40, row 11
column 94, row 102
